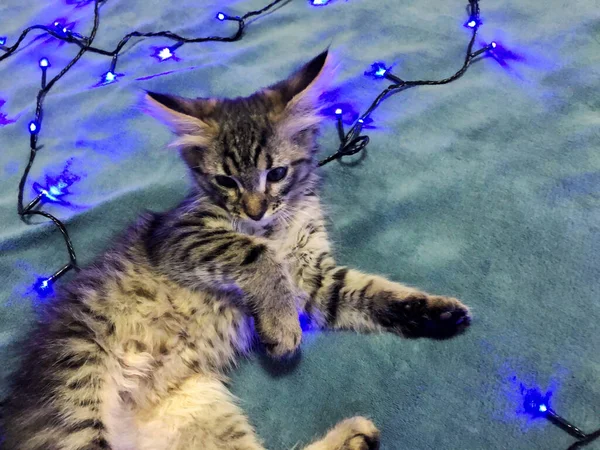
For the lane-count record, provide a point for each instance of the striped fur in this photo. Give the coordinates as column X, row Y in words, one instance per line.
column 132, row 353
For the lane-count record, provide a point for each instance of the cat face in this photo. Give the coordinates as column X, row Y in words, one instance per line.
column 253, row 156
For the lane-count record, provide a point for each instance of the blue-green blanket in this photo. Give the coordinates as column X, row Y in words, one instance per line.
column 487, row 189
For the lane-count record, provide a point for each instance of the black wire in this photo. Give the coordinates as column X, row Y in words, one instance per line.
column 166, row 34
column 85, row 43
column 33, row 141
column 588, row 439
column 354, row 143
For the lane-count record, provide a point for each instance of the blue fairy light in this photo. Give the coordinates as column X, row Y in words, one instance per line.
column 221, row 16
column 56, row 188
column 493, row 44
column 165, row 53
column 109, row 77
column 34, row 127
column 378, row 70
column 43, row 286
column 534, row 402
column 44, row 63
column 319, row 2
column 338, row 112
column 473, row 23
column 2, row 40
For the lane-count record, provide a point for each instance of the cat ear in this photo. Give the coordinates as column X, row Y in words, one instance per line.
column 295, row 100
column 187, row 118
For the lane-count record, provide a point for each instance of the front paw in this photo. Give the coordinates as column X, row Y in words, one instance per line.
column 423, row 315
column 280, row 336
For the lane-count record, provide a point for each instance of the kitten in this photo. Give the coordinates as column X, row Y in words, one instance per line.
column 131, row 355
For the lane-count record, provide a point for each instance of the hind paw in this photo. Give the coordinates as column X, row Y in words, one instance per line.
column 356, row 433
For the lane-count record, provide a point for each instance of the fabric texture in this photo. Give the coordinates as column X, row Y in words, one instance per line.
column 487, row 189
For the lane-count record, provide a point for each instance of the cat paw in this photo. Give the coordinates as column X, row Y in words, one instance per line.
column 423, row 315
column 356, row 433
column 281, row 338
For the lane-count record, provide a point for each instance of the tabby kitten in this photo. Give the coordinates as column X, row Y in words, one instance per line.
column 131, row 354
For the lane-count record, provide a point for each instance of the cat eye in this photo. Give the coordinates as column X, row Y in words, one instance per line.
column 277, row 174
column 226, row 182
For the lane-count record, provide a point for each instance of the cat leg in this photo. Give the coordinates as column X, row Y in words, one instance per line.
column 356, row 433
column 345, row 298
column 199, row 414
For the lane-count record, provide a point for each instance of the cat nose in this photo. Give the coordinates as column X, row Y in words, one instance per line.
column 255, row 205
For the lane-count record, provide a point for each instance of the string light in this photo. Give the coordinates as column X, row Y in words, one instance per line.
column 56, row 190
column 319, row 2
column 108, row 77
column 537, row 404
column 43, row 287
column 34, row 127
column 378, row 70
column 44, row 64
column 473, row 23
column 164, row 53
column 353, row 142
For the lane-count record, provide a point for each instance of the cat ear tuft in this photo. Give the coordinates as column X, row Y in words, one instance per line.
column 296, row 99
column 187, row 118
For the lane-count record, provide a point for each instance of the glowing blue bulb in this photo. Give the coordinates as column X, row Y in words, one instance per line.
column 320, row 2
column 165, row 53
column 378, row 70
column 57, row 24
column 34, row 127
column 56, row 188
column 338, row 111
column 534, row 402
column 473, row 23
column 493, row 44
column 65, row 30
column 52, row 195
column 55, row 191
column 43, row 286
column 44, row 62
column 361, row 121
column 221, row 16
column 2, row 40
column 109, row 77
